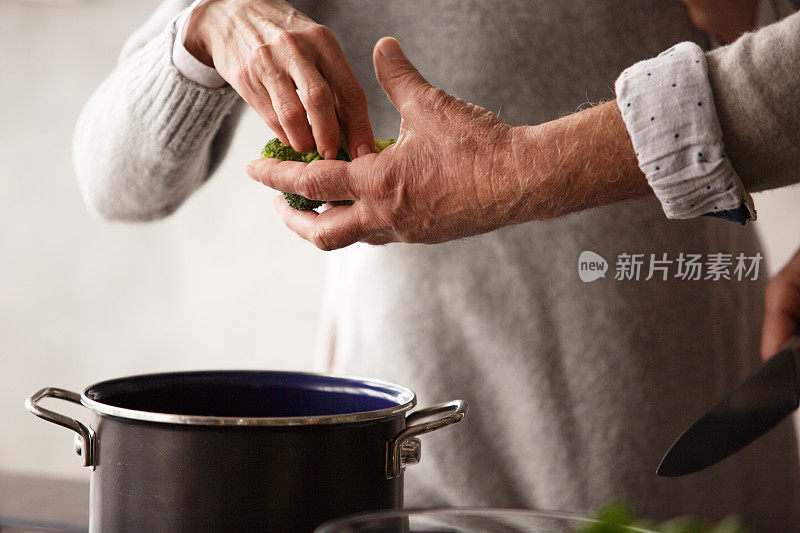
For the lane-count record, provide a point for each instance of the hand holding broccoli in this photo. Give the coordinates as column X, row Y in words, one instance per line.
column 450, row 175
column 275, row 149
column 457, row 170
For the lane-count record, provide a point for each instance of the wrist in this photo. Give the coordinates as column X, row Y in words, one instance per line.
column 195, row 37
column 526, row 143
column 550, row 178
column 577, row 162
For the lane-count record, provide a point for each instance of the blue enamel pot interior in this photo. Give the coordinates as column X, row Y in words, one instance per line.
column 248, row 397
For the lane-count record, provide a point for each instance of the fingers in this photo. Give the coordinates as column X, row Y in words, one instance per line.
column 290, row 110
column 318, row 100
column 300, row 96
column 271, row 54
column 350, row 97
column 401, row 81
column 325, row 181
column 261, row 103
column 335, row 228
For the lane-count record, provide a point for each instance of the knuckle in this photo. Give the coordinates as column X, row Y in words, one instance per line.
column 383, row 188
column 309, row 190
column 320, row 34
column 352, row 93
column 401, row 77
column 290, row 114
column 307, row 186
column 247, row 72
column 259, row 60
column 321, row 238
column 318, row 95
column 285, row 39
column 435, row 99
column 268, row 113
column 243, row 72
column 274, row 124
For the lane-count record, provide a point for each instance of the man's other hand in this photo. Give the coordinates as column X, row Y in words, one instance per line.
column 782, row 308
column 286, row 67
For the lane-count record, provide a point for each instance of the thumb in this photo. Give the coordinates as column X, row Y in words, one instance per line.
column 401, row 81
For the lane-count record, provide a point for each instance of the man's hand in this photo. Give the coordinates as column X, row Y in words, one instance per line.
column 456, row 169
column 724, row 19
column 285, row 66
column 782, row 308
column 449, row 175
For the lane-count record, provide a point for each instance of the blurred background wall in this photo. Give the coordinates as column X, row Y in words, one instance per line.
column 220, row 285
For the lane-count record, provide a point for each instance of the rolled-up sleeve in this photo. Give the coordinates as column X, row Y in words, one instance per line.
column 669, row 111
column 709, row 127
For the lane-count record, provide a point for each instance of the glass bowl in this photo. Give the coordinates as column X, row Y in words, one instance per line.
column 470, row 520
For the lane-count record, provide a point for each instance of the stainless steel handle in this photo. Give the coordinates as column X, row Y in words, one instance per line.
column 86, row 435
column 404, row 449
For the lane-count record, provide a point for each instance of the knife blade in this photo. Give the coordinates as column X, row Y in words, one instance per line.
column 768, row 396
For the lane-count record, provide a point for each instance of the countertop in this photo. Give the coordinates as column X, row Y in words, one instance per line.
column 32, row 503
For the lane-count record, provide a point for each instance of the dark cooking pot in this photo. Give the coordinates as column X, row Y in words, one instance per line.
column 244, row 450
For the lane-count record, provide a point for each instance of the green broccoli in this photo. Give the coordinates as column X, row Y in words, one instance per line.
column 275, row 149
column 616, row 517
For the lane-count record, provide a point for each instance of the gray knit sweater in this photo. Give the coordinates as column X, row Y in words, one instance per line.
column 576, row 388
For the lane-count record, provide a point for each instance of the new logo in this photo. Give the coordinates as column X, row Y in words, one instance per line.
column 591, row 266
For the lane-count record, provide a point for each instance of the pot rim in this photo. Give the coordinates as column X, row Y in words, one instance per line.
column 200, row 420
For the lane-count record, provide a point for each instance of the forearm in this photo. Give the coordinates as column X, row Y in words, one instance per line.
column 577, row 162
column 148, row 137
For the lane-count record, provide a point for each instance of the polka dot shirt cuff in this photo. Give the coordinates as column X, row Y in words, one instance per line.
column 668, row 109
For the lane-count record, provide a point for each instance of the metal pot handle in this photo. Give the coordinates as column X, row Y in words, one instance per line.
column 84, row 440
column 404, row 449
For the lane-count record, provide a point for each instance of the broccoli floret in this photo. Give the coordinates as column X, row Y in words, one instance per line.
column 383, row 144
column 616, row 517
column 301, row 203
column 275, row 149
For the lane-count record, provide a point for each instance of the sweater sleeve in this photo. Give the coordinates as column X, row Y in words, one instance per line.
column 756, row 85
column 148, row 137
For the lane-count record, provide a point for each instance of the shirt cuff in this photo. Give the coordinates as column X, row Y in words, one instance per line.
column 668, row 109
column 188, row 65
